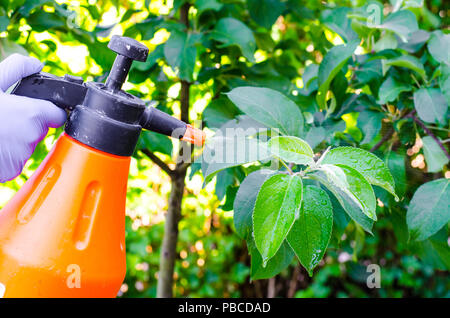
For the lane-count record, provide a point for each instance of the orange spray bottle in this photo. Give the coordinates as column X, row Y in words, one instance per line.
column 63, row 233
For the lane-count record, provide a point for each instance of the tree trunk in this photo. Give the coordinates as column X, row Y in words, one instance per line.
column 169, row 244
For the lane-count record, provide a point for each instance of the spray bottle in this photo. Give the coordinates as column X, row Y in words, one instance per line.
column 63, row 233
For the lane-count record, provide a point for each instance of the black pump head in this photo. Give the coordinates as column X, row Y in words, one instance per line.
column 127, row 50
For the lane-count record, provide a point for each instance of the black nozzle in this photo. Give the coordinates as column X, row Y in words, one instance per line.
column 127, row 50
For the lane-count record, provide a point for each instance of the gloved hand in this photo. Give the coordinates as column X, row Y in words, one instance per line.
column 24, row 121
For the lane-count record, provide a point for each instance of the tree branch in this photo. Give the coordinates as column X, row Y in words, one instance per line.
column 430, row 133
column 391, row 131
column 385, row 138
column 159, row 162
column 293, row 283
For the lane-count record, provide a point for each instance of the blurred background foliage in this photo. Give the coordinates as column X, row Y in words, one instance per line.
column 273, row 47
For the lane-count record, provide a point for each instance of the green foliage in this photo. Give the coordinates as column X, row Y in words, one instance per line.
column 276, row 209
column 430, row 105
column 229, row 32
column 291, row 149
column 425, row 215
column 311, row 232
column 269, row 107
column 370, row 166
column 386, row 71
column 331, row 65
column 180, row 52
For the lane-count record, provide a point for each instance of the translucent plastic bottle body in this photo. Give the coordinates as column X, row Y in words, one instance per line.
column 63, row 233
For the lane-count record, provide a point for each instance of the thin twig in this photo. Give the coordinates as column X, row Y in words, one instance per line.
column 294, row 282
column 391, row 132
column 159, row 162
column 287, row 167
column 271, row 287
column 430, row 133
column 385, row 138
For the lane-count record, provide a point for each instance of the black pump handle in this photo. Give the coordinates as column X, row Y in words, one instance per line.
column 65, row 92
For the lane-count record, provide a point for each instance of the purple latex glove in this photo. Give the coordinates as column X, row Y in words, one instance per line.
column 24, row 121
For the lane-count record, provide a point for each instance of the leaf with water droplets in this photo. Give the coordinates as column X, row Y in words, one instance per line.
column 274, row 266
column 370, row 166
column 277, row 207
column 353, row 192
column 270, row 108
column 311, row 233
column 245, row 201
column 291, row 149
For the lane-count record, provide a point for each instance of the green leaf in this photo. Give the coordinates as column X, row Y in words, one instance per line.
column 244, row 202
column 340, row 217
column 225, row 178
column 181, row 52
column 434, row 156
column 155, row 142
column 149, row 26
column 264, row 41
column 370, row 166
column 353, row 183
column 8, row 47
column 390, row 89
column 311, row 233
column 415, row 41
column 230, row 31
column 101, row 54
column 277, row 207
column 338, row 21
column 410, row 62
column 371, row 70
column 439, row 46
column 315, row 136
column 369, row 122
column 332, row 63
column 429, row 209
column 403, row 23
column 274, row 266
column 128, row 14
column 309, row 75
column 265, row 12
column 30, row 5
column 431, row 105
column 41, row 21
column 433, row 253
column 396, row 164
column 233, row 145
column 335, row 179
column 4, row 22
column 291, row 149
column 444, row 81
column 387, row 41
column 270, row 108
column 219, row 111
column 203, row 5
